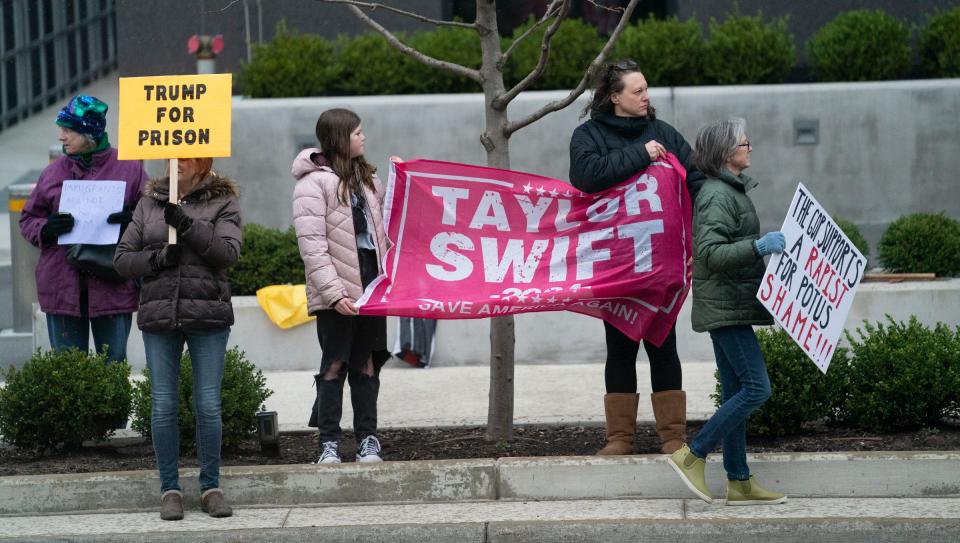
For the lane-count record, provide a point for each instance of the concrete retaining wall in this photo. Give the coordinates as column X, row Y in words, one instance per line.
column 884, row 149
column 800, row 475
column 558, row 337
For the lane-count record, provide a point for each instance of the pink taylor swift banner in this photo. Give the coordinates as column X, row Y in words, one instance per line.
column 472, row 242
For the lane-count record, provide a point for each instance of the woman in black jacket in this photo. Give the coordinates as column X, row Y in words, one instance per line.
column 622, row 137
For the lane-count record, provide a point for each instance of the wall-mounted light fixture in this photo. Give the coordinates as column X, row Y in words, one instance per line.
column 806, row 131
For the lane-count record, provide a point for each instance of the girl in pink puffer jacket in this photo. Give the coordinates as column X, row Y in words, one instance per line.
column 338, row 217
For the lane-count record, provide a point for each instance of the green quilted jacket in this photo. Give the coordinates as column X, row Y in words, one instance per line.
column 726, row 267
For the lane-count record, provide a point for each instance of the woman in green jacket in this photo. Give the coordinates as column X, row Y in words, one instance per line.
column 727, row 269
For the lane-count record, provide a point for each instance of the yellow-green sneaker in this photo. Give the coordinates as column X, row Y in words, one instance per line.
column 751, row 493
column 691, row 472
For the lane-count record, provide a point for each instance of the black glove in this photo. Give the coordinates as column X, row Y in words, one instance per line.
column 175, row 217
column 167, row 257
column 120, row 217
column 58, row 223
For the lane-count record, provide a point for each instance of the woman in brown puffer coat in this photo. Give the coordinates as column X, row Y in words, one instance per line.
column 185, row 299
column 338, row 217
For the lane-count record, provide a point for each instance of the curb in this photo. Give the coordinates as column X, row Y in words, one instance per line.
column 814, row 475
column 588, row 531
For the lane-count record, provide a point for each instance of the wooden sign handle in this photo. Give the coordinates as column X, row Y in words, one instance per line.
column 174, row 197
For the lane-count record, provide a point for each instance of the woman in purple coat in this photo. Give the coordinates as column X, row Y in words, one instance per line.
column 76, row 302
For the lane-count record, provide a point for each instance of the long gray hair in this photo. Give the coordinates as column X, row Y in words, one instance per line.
column 716, row 142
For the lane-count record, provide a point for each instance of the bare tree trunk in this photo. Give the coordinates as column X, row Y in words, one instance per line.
column 496, row 143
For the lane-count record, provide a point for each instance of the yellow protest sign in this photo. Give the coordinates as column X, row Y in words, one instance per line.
column 176, row 116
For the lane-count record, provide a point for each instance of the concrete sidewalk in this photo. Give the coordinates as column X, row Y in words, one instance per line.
column 799, row 520
column 457, row 396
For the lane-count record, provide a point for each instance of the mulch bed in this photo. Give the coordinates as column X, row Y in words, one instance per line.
column 469, row 442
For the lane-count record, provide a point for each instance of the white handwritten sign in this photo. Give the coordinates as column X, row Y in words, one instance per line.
column 90, row 202
column 809, row 287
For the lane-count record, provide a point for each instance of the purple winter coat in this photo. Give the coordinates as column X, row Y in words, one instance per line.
column 58, row 285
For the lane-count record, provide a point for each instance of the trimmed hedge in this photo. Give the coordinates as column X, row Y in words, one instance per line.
column 268, row 257
column 860, row 45
column 452, row 44
column 922, row 242
column 63, row 398
column 746, row 50
column 852, row 232
column 902, row 376
column 572, row 48
column 939, row 44
column 669, row 52
column 368, row 64
column 243, row 392
column 291, row 64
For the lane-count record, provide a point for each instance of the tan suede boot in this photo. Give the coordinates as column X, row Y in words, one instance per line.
column 621, row 412
column 670, row 412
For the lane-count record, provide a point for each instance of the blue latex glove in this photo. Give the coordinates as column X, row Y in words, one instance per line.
column 771, row 242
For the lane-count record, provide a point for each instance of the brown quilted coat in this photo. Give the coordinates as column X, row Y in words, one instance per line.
column 196, row 293
column 324, row 226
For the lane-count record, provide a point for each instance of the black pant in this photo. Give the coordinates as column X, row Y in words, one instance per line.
column 328, row 406
column 620, row 372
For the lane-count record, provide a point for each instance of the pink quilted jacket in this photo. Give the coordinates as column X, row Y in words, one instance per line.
column 328, row 245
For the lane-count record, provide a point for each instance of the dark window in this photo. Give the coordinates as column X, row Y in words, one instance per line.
column 84, row 49
column 8, row 25
column 47, row 16
column 11, row 68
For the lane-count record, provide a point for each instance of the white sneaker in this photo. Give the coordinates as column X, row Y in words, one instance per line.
column 369, row 450
column 330, row 454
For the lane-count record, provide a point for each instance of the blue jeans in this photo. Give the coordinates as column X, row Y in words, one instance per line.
column 744, row 386
column 163, row 350
column 111, row 330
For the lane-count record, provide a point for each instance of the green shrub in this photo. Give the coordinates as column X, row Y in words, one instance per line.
column 63, row 398
column 852, row 232
column 940, row 44
column 902, row 376
column 745, row 50
column 243, row 392
column 860, row 45
column 268, row 257
column 452, row 44
column 367, row 64
column 801, row 393
column 921, row 242
column 572, row 48
column 669, row 52
column 289, row 65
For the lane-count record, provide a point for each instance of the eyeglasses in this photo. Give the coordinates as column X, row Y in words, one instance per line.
column 747, row 145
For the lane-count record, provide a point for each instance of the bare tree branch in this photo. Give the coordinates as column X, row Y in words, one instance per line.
column 587, row 76
column 608, row 8
column 546, row 17
column 501, row 101
column 406, row 49
column 412, row 15
column 224, row 8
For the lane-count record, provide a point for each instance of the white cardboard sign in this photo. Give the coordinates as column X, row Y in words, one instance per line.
column 90, row 202
column 809, row 288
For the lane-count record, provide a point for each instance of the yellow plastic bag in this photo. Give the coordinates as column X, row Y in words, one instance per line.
column 285, row 305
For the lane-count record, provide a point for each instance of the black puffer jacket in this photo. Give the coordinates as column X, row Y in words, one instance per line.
column 196, row 293
column 607, row 150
